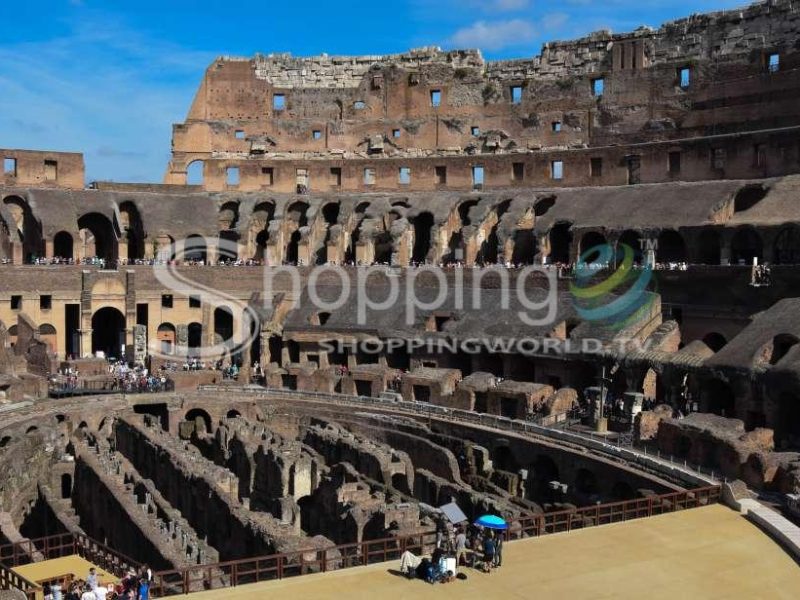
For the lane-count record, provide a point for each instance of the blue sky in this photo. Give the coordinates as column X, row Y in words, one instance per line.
column 108, row 78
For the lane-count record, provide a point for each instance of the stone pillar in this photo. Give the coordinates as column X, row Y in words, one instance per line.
column 48, row 248
column 85, row 341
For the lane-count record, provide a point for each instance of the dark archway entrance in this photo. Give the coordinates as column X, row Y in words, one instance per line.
column 708, row 247
column 62, row 245
column 746, row 245
column 108, row 332
column 560, row 242
column 423, row 223
column 105, row 238
column 671, row 247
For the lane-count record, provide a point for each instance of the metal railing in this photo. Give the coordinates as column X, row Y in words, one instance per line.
column 56, row 546
column 280, row 566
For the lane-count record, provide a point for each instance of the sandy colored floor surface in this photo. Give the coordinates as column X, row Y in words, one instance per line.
column 709, row 552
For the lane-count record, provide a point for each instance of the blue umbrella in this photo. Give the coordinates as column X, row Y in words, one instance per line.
column 491, row 522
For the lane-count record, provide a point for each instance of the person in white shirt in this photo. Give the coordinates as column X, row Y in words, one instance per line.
column 88, row 594
column 100, row 592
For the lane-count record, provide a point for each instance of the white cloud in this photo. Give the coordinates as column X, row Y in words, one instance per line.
column 553, row 21
column 494, row 35
column 508, row 5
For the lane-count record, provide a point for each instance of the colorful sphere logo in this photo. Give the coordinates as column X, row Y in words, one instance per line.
column 618, row 300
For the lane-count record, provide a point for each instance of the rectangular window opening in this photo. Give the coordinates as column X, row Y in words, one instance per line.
column 441, row 175
column 516, row 94
column 232, row 175
column 267, row 175
column 476, row 131
column 685, row 77
column 404, row 175
column 369, row 176
column 166, row 301
column 10, row 166
column 596, row 167
column 194, row 301
column 556, row 126
column 436, row 97
column 675, row 162
column 395, row 133
column 517, row 171
column 278, row 102
column 316, row 134
column 50, row 170
column 45, row 302
column 598, row 86
column 16, row 302
column 774, row 62
column 239, row 134
column 557, row 169
column 477, row 176
column 336, row 176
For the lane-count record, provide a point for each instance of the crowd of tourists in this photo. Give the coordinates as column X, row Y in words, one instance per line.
column 134, row 586
column 469, row 546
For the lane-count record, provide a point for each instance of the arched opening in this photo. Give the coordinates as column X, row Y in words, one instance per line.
column 383, row 248
column 781, row 344
column 12, row 335
column 633, row 240
column 167, row 338
column 590, row 246
column 330, row 214
column 708, row 247
column 228, row 246
column 259, row 228
column 108, row 332
column 560, row 242
column 103, row 234
column 622, row 491
column 787, row 246
column 194, row 249
column 47, row 333
column 787, row 427
column 720, row 398
column 293, row 248
column 31, row 429
column 671, row 248
column 133, row 229
column 423, row 224
column 66, row 486
column 524, row 247
column 543, row 206
column 296, row 212
column 63, row 245
column 223, row 325
column 233, row 414
column 544, row 470
column 201, row 420
column 5, row 441
column 715, row 341
column 28, row 227
column 194, row 173
column 503, row 459
column 585, row 485
column 747, row 197
column 746, row 245
column 5, row 239
column 463, row 212
column 194, row 336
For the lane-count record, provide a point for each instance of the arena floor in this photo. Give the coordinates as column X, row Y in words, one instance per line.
column 709, row 552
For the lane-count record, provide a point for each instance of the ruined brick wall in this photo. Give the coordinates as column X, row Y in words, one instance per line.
column 453, row 109
column 42, row 168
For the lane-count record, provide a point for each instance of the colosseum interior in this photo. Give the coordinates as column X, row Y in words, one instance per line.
column 173, row 394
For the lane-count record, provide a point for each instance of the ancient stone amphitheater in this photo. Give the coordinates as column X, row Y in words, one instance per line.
column 275, row 433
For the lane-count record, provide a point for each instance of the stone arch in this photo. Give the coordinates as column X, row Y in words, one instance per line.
column 108, row 332
column 671, row 247
column 201, row 419
column 503, row 458
column 787, row 426
column 105, row 237
column 715, row 340
column 423, row 226
column 746, row 244
column 28, row 227
column 544, row 470
column 748, row 196
column 543, row 205
column 195, row 172
column 330, row 216
column 223, row 325
column 63, row 245
column 720, row 398
column 708, row 247
column 589, row 241
column 633, row 239
column 259, row 229
column 133, row 229
column 194, row 335
column 233, row 414
column 463, row 211
column 66, row 486
column 195, row 248
column 585, row 484
column 786, row 249
column 524, row 247
column 560, row 237
column 167, row 338
column 297, row 212
column 621, row 491
column 781, row 344
column 47, row 333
